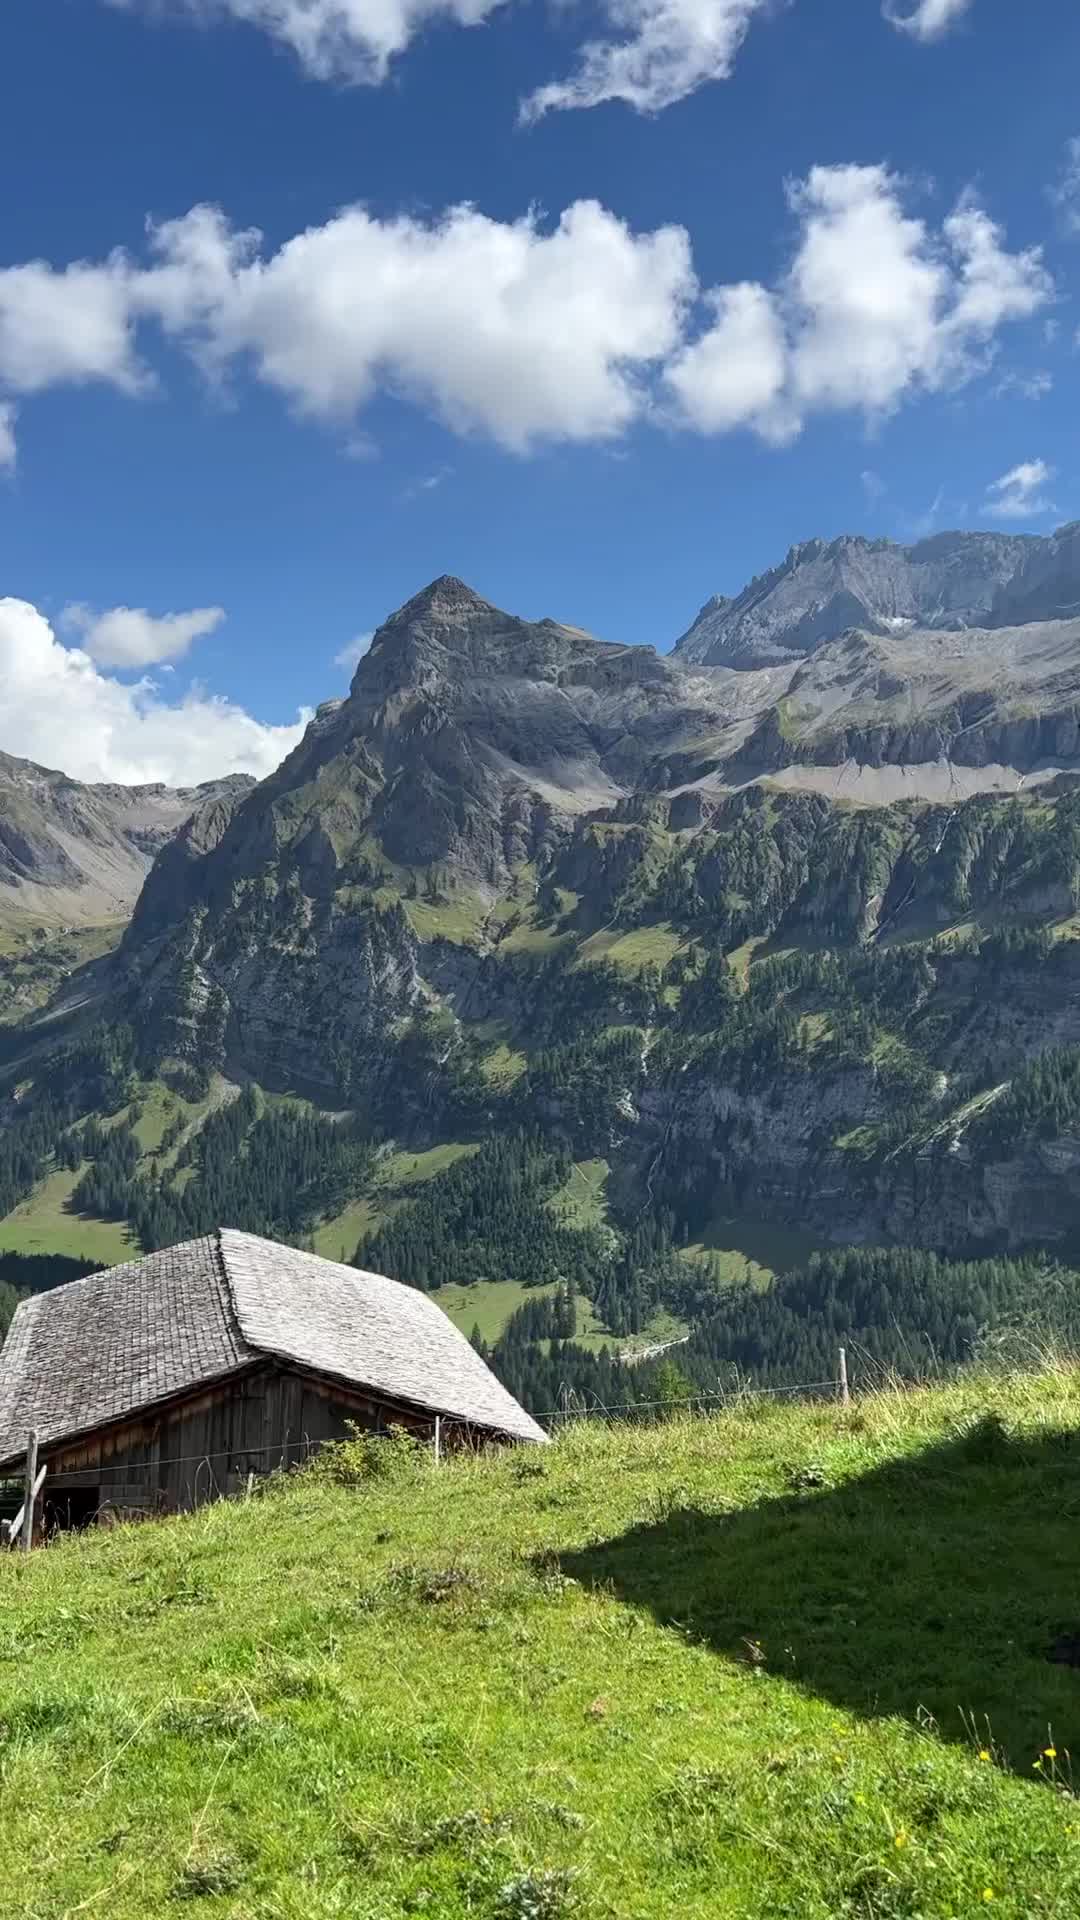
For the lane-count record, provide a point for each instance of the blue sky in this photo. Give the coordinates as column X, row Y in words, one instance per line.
column 832, row 285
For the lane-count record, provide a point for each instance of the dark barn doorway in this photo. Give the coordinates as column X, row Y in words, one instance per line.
column 71, row 1511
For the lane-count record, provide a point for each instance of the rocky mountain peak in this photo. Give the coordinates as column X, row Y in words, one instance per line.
column 445, row 599
column 437, row 631
column 448, row 635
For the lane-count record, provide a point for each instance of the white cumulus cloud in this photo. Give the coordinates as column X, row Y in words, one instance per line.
column 58, row 708
column 874, row 305
column 517, row 330
column 131, row 637
column 736, row 370
column 929, row 20
column 343, row 40
column 7, row 436
column 658, row 52
column 1020, row 494
column 530, row 331
column 503, row 328
column 68, row 327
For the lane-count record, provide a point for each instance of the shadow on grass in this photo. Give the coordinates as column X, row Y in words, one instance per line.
column 946, row 1584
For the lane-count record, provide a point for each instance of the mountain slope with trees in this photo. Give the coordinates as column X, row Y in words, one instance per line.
column 527, row 902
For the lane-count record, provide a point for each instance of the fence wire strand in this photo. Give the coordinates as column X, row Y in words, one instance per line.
column 704, row 1402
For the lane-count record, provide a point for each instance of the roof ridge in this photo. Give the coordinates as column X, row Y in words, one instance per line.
column 228, row 1292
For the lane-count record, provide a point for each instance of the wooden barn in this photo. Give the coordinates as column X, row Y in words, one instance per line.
column 169, row 1381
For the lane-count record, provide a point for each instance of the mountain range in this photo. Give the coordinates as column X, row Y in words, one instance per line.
column 631, row 953
column 948, row 582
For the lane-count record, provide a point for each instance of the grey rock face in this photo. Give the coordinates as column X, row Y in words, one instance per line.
column 79, row 853
column 1046, row 584
column 953, row 580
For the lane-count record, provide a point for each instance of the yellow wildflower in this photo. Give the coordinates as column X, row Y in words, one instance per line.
column 1050, row 1752
column 900, row 1838
column 988, row 1893
column 984, row 1753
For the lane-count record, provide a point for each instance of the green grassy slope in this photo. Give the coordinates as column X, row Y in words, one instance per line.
column 786, row 1662
column 746, row 1252
column 46, row 1222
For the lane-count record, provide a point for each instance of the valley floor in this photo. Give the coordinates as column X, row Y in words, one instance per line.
column 788, row 1660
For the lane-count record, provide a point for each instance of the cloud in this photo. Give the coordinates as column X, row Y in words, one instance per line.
column 1019, row 494
column 58, row 708
column 68, row 327
column 872, row 484
column 1065, row 192
column 341, row 40
column 920, row 525
column 1030, row 386
column 873, row 307
column 353, row 652
column 7, row 436
column 131, row 637
column 929, row 20
column 736, row 371
column 658, row 51
column 427, row 483
column 515, row 330
column 664, row 50
column 531, row 331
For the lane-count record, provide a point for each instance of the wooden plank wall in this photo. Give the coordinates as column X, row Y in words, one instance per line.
column 206, row 1446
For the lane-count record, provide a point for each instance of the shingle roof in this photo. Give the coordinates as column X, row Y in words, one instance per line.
column 364, row 1328
column 103, row 1348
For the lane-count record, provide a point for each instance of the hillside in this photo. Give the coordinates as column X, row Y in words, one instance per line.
column 784, row 1660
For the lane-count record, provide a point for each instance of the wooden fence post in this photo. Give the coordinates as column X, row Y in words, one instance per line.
column 30, row 1491
column 438, row 1439
column 845, row 1395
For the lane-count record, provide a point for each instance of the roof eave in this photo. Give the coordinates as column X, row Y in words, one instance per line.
column 539, row 1438
column 71, row 1435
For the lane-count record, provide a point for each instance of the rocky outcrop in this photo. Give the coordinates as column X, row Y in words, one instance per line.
column 1046, row 583
column 952, row 581
column 79, row 853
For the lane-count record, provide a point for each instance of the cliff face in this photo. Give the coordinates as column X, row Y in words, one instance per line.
column 79, row 853
column 949, row 582
column 468, row 743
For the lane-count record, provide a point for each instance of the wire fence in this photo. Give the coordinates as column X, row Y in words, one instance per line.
column 694, row 1402
column 232, row 1464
